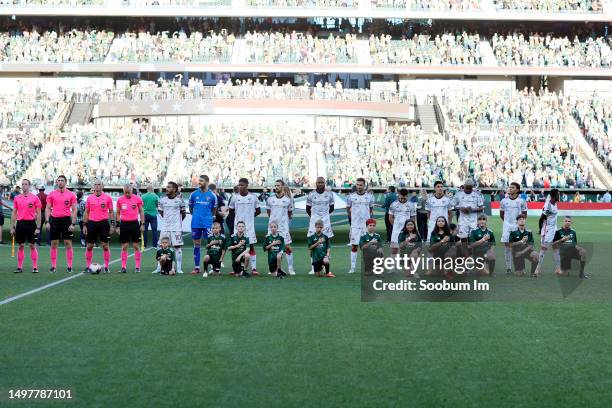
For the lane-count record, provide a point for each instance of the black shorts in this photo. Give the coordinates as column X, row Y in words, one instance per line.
column 237, row 267
column 98, row 230
column 166, row 267
column 318, row 266
column 566, row 257
column 59, row 228
column 215, row 263
column 129, row 231
column 273, row 265
column 25, row 231
column 1, row 217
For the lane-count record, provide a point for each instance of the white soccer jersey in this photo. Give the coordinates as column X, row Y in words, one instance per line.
column 438, row 207
column 550, row 224
column 319, row 204
column 401, row 213
column 512, row 209
column 244, row 207
column 474, row 200
column 279, row 213
column 171, row 207
column 360, row 206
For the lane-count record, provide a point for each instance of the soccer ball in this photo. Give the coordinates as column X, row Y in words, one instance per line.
column 94, row 268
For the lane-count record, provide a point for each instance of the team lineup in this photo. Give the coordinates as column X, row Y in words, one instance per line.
column 469, row 237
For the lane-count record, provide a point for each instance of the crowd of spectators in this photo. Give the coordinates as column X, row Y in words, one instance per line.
column 449, row 48
column 550, row 6
column 594, row 115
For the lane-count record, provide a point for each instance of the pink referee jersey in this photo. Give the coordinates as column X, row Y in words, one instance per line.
column 129, row 207
column 98, row 206
column 61, row 202
column 26, row 206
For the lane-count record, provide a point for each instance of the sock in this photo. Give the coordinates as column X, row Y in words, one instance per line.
column 353, row 260
column 69, row 256
column 311, row 267
column 491, row 267
column 54, row 257
column 508, row 256
column 137, row 258
column 124, row 257
column 196, row 256
column 107, row 255
column 205, row 267
column 289, row 259
column 158, row 267
column 179, row 259
column 88, row 256
column 253, row 255
column 541, row 257
column 34, row 257
column 326, row 268
column 557, row 258
column 20, row 257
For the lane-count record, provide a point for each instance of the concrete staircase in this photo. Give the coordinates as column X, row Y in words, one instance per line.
column 80, row 114
column 426, row 116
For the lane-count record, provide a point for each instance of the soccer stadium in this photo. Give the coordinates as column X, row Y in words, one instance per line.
column 278, row 203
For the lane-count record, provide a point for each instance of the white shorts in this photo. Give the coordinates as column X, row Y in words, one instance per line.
column 395, row 236
column 507, row 229
column 547, row 235
column 327, row 228
column 249, row 231
column 285, row 234
column 356, row 233
column 465, row 228
column 175, row 237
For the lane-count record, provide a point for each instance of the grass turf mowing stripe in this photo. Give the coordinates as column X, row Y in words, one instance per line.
column 49, row 285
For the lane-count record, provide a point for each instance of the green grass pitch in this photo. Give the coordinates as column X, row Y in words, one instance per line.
column 143, row 340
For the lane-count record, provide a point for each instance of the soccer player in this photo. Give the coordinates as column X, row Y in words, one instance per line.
column 61, row 213
column 359, row 206
column 469, row 203
column 409, row 241
column 244, row 207
column 130, row 225
column 215, row 250
column 482, row 244
column 98, row 212
column 280, row 210
column 203, row 209
column 25, row 224
column 400, row 211
column 318, row 244
column 438, row 205
column 510, row 208
column 566, row 240
column 165, row 257
column 319, row 206
column 239, row 245
column 274, row 244
column 521, row 241
column 548, row 228
column 172, row 211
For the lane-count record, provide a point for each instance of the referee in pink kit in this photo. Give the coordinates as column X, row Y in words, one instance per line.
column 25, row 225
column 61, row 213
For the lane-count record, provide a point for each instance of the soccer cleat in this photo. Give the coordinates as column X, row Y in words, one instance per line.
column 123, row 270
column 53, row 269
column 69, row 269
column 205, row 275
column 156, row 271
column 137, row 270
column 291, row 272
column 254, row 272
column 281, row 273
column 35, row 270
column 493, row 274
column 18, row 270
column 232, row 273
column 245, row 274
column 106, row 270
column 584, row 276
column 180, row 272
column 508, row 272
column 351, row 271
column 311, row 272
column 222, row 265
column 195, row 271
column 330, row 275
